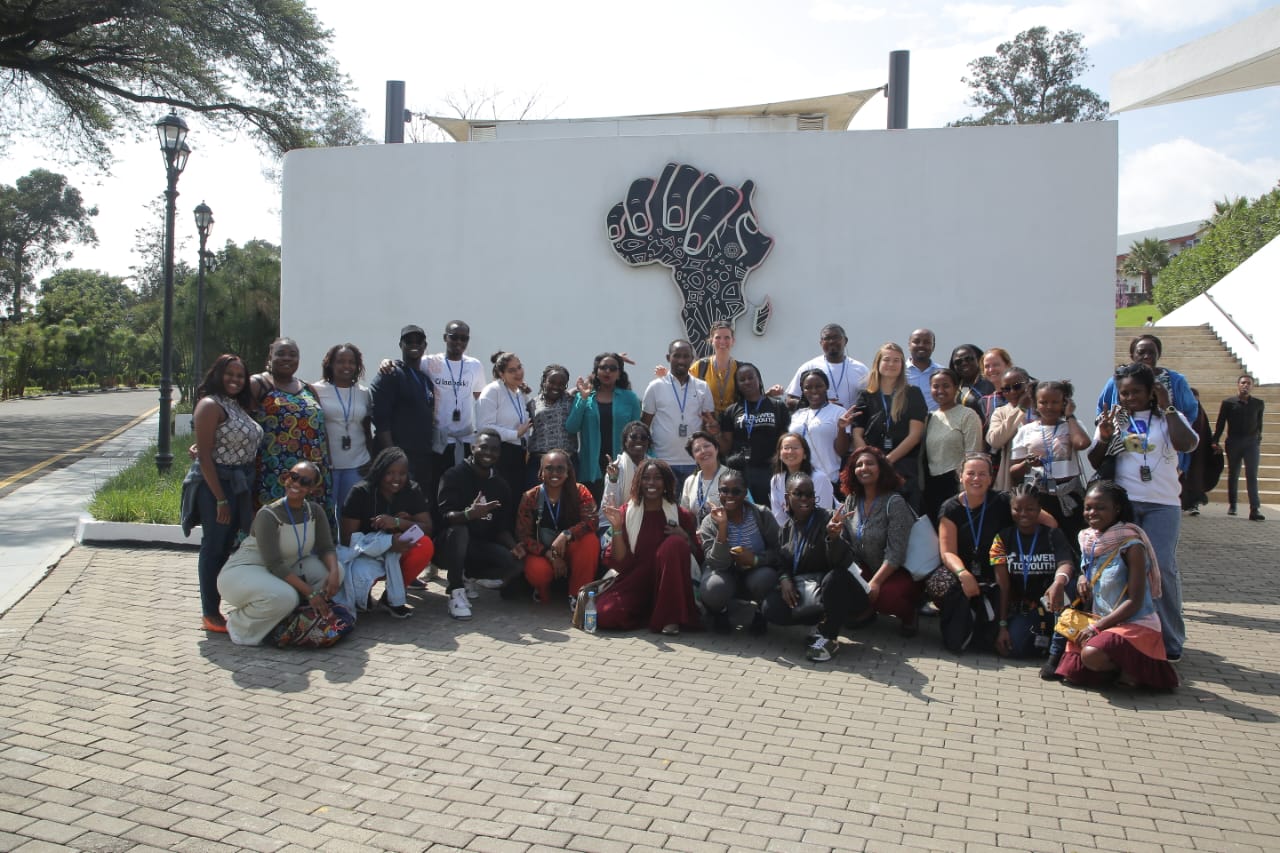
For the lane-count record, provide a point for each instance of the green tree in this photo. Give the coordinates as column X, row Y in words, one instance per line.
column 97, row 305
column 1232, row 237
column 21, row 354
column 85, row 70
column 1032, row 80
column 39, row 215
column 1145, row 260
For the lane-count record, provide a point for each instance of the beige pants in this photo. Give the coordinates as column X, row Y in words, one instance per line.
column 258, row 600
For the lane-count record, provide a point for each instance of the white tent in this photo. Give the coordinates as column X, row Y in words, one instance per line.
column 1241, row 309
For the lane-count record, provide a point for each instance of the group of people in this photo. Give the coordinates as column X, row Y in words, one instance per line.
column 709, row 494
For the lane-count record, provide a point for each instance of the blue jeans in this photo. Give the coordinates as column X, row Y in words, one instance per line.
column 682, row 472
column 343, row 480
column 216, row 543
column 1162, row 524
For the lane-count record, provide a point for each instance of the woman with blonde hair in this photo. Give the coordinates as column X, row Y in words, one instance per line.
column 890, row 415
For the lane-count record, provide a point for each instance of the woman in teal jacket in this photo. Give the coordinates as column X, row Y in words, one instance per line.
column 601, row 408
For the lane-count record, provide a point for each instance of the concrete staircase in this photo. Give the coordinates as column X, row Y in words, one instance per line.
column 1210, row 368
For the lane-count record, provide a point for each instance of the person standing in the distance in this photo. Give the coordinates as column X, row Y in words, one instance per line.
column 675, row 407
column 346, row 404
column 1241, row 417
column 1148, row 349
column 750, row 429
column 404, row 405
column 457, row 378
column 921, row 368
column 719, row 369
column 845, row 376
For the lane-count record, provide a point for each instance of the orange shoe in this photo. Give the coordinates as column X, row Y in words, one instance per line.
column 214, row 623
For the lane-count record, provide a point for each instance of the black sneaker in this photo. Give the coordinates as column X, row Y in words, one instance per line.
column 822, row 650
column 1231, row 510
column 397, row 611
column 1254, row 515
column 1049, row 672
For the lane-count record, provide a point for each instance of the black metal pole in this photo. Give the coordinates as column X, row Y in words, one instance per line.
column 164, row 455
column 899, row 87
column 395, row 111
column 197, row 369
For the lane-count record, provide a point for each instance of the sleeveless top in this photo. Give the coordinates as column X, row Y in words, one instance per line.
column 236, row 439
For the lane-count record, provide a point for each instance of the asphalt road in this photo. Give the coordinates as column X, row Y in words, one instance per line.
column 33, row 431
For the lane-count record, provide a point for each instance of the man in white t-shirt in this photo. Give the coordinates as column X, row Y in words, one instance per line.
column 845, row 376
column 458, row 379
column 675, row 406
column 921, row 367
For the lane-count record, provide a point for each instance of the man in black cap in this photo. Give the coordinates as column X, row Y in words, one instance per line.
column 404, row 406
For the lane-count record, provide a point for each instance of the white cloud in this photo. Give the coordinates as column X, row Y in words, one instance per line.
column 829, row 10
column 1179, row 181
column 1098, row 20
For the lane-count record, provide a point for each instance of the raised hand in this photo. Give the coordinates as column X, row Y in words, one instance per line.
column 706, row 233
column 584, row 387
column 613, row 515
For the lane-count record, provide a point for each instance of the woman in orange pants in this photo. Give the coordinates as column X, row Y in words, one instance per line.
column 556, row 524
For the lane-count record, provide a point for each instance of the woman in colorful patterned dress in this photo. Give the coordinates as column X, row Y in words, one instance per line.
column 292, row 426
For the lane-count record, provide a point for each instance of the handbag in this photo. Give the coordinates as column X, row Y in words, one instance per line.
column 939, row 584
column 599, row 587
column 1072, row 620
column 923, row 552
column 305, row 628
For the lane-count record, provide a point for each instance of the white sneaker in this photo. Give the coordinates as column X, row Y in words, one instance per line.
column 459, row 607
column 472, row 588
column 489, row 583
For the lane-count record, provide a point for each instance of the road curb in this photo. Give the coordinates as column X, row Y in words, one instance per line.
column 89, row 531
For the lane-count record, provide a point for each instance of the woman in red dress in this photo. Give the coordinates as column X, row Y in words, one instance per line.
column 654, row 540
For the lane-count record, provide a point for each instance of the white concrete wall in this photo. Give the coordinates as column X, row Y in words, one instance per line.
column 994, row 236
column 1246, row 301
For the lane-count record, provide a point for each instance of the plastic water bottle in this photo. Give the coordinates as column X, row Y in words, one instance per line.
column 589, row 616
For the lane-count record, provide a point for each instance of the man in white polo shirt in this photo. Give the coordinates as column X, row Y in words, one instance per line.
column 845, row 376
column 675, row 406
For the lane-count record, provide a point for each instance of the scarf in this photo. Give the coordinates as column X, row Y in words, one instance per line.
column 1116, row 537
column 635, row 517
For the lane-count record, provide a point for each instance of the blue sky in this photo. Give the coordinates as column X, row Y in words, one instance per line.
column 593, row 58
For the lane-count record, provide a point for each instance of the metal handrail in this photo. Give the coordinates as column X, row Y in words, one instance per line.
column 1230, row 319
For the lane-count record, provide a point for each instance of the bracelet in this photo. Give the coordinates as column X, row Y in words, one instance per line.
column 224, row 502
column 397, row 522
column 466, row 517
column 1063, row 575
column 1003, row 623
column 960, row 572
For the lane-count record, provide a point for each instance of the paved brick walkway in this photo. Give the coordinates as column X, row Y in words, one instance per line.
column 127, row 729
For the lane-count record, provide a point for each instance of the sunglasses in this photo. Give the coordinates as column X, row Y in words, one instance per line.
column 301, row 479
column 733, row 492
column 607, row 368
column 1010, row 389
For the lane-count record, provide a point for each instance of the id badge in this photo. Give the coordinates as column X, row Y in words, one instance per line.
column 346, row 442
column 684, row 430
column 1050, row 486
column 457, row 415
column 1145, row 473
column 888, row 443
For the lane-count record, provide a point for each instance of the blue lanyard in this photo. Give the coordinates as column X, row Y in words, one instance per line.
column 1087, row 565
column 975, row 532
column 1141, row 429
column 702, row 496
column 835, row 385
column 679, row 400
column 799, row 547
column 748, row 418
column 1023, row 555
column 1050, row 440
column 553, row 510
column 305, row 519
column 347, row 406
column 888, row 418
column 421, row 380
column 515, row 404
column 462, row 371
column 863, row 516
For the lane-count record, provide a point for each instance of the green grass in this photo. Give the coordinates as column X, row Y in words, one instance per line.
column 140, row 494
column 1136, row 315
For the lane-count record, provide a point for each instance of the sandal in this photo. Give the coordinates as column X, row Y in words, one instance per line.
column 214, row 623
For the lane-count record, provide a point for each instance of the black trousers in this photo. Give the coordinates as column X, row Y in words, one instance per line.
column 463, row 555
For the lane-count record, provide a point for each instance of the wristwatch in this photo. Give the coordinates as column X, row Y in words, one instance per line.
column 1170, row 410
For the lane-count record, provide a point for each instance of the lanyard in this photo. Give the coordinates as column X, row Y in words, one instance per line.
column 1050, row 440
column 1143, row 431
column 515, row 404
column 802, row 545
column 888, row 418
column 420, row 379
column 748, row 418
column 976, row 532
column 347, row 406
column 863, row 516
column 680, row 401
column 299, row 539
column 553, row 510
column 702, row 496
column 835, row 385
column 1088, row 563
column 1024, row 555
column 462, row 371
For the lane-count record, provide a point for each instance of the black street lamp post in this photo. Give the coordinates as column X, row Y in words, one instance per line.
column 173, row 144
column 204, row 224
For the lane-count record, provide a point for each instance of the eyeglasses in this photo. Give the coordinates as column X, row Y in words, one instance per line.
column 1015, row 387
column 300, row 479
column 732, row 492
column 607, row 368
